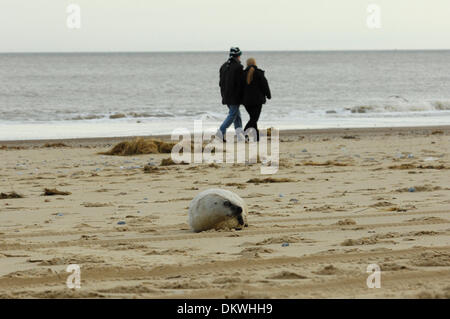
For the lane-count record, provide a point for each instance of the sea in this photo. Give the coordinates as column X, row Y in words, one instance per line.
column 79, row 95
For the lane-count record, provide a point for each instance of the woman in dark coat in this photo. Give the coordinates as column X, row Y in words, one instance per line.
column 255, row 92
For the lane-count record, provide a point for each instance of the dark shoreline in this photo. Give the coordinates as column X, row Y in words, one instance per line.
column 330, row 132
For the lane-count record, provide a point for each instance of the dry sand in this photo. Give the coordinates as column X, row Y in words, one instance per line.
column 311, row 236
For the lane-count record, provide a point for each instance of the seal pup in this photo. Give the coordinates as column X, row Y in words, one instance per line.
column 217, row 209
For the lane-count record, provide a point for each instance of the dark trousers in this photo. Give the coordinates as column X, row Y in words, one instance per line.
column 254, row 111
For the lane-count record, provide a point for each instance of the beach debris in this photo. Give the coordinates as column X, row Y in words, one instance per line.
column 270, row 180
column 293, row 200
column 397, row 209
column 117, row 116
column 327, row 270
column 361, row 109
column 169, row 162
column 361, row 241
column 163, row 147
column 412, row 166
column 304, row 150
column 121, row 223
column 280, row 195
column 54, row 191
column 60, row 214
column 345, row 222
column 150, row 168
column 238, row 185
column 327, row 163
column 254, row 251
column 372, row 240
column 279, row 240
column 140, row 146
column 382, row 204
column 94, row 205
column 284, row 244
column 287, row 275
column 403, row 166
column 425, row 188
column 432, row 167
column 5, row 147
column 10, row 195
column 54, row 145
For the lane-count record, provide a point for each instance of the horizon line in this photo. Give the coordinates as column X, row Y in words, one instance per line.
column 220, row 51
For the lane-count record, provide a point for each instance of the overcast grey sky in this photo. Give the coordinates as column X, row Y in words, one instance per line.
column 212, row 25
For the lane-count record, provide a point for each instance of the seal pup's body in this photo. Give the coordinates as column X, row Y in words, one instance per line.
column 217, row 209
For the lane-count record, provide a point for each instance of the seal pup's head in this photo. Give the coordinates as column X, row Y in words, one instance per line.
column 235, row 211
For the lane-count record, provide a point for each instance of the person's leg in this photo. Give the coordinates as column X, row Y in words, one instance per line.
column 232, row 112
column 256, row 114
column 250, row 128
column 238, row 126
column 254, row 111
column 249, row 111
column 238, row 119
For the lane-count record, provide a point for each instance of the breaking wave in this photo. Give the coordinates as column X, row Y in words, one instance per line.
column 400, row 108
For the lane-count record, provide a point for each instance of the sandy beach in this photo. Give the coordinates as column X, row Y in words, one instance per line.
column 342, row 199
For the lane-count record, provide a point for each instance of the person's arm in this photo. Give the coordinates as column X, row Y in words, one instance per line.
column 221, row 77
column 266, row 88
column 222, row 81
column 240, row 80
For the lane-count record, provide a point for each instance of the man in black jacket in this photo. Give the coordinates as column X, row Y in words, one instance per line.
column 231, row 88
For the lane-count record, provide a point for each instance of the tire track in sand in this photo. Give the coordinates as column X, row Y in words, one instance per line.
column 254, row 222
column 187, row 235
column 107, row 273
column 331, row 288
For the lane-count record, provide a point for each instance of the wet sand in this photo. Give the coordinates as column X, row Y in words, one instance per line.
column 355, row 197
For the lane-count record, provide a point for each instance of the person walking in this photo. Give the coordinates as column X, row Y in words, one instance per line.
column 256, row 90
column 231, row 88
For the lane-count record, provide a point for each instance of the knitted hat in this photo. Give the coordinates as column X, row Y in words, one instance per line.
column 235, row 52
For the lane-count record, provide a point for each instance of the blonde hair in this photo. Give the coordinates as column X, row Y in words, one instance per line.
column 250, row 73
